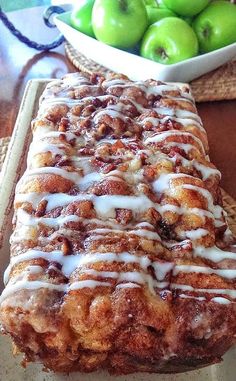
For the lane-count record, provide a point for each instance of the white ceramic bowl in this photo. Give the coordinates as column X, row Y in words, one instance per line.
column 138, row 68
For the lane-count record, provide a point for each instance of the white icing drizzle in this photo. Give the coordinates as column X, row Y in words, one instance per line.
column 185, row 122
column 102, row 274
column 68, row 135
column 229, row 292
column 159, row 137
column 218, row 299
column 105, row 205
column 69, row 263
column 68, row 80
column 125, row 257
column 130, row 277
column 162, row 269
column 83, row 163
column 206, row 171
column 114, row 82
column 111, row 141
column 186, row 147
column 83, row 182
column 213, row 253
column 215, row 209
column 74, row 177
column 24, row 218
column 183, row 210
column 27, row 219
column 88, row 180
column 160, row 89
column 179, row 113
column 47, row 103
column 224, row 273
column 36, row 285
column 177, row 98
column 39, row 147
column 30, row 285
column 184, row 296
column 128, row 285
column 162, row 184
column 194, row 234
column 34, row 269
column 144, row 233
column 88, row 283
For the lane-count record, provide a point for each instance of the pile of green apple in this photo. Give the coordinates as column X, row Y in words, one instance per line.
column 165, row 31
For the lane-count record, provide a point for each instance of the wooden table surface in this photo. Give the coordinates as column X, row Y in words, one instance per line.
column 19, row 63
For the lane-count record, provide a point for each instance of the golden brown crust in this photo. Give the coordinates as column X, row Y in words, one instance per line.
column 119, row 255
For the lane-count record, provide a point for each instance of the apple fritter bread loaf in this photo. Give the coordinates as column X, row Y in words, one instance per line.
column 121, row 257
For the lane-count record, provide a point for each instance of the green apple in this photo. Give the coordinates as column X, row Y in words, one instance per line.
column 186, row 7
column 216, row 26
column 119, row 23
column 156, row 14
column 161, row 4
column 81, row 17
column 168, row 41
column 152, row 3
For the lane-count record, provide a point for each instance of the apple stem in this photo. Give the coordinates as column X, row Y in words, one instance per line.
column 206, row 32
column 123, row 5
column 162, row 53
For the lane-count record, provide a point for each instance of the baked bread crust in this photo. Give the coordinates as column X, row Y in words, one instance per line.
column 121, row 257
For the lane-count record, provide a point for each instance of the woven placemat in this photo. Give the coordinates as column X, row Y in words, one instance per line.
column 230, row 207
column 3, row 149
column 228, row 201
column 219, row 84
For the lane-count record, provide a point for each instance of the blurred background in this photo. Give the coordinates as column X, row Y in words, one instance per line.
column 13, row 5
column 20, row 4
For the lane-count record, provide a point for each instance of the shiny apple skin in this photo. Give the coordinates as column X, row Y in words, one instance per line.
column 156, row 14
column 215, row 27
column 119, row 23
column 81, row 17
column 186, row 7
column 169, row 41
